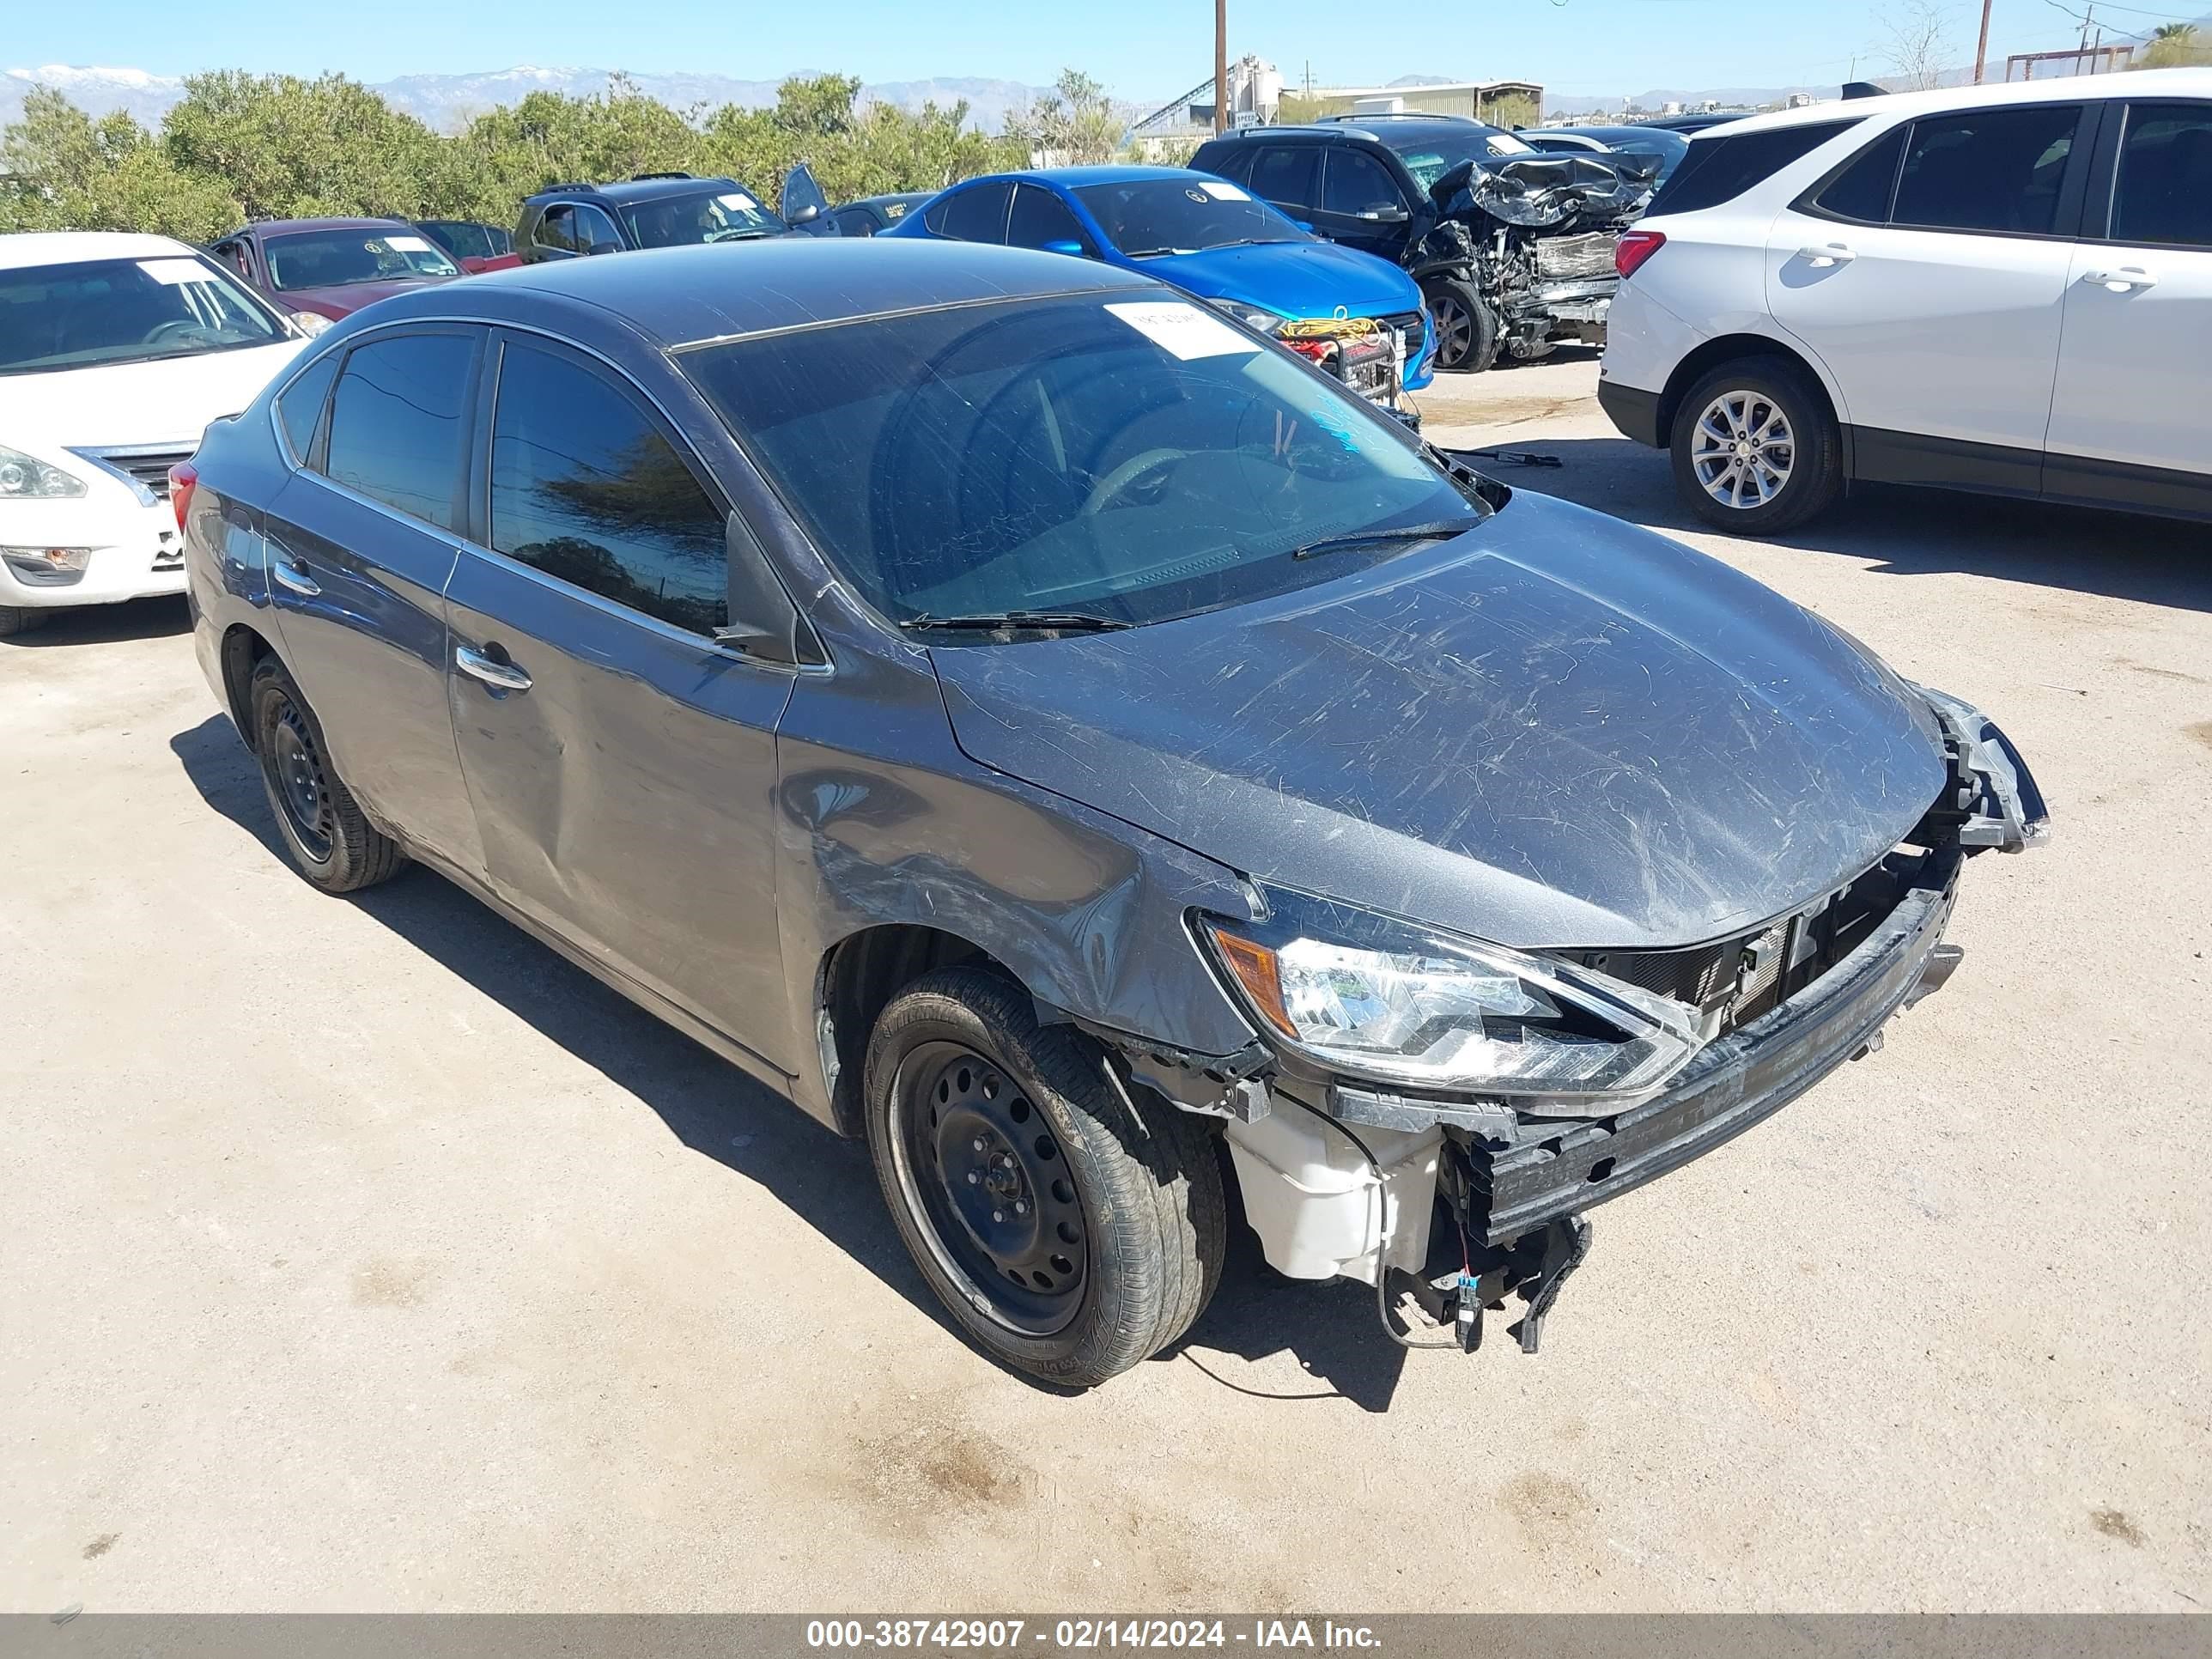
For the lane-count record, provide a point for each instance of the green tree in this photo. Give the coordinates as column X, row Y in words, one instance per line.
column 290, row 148
column 2175, row 45
column 1073, row 125
column 72, row 172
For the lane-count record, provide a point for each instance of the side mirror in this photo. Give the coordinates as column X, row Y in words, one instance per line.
column 802, row 201
column 805, row 215
column 1306, row 225
column 604, row 247
column 1076, row 248
column 1385, row 215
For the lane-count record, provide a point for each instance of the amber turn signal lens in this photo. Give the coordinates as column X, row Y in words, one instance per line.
column 1255, row 967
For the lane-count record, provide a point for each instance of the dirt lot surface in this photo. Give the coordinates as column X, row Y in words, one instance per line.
column 364, row 1255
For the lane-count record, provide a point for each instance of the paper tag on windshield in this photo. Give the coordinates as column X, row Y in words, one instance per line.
column 738, row 199
column 1221, row 191
column 175, row 273
column 407, row 245
column 1183, row 329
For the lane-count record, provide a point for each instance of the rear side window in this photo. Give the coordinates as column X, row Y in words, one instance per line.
column 2164, row 195
column 971, row 216
column 555, row 229
column 300, row 405
column 1285, row 174
column 1720, row 167
column 1860, row 191
column 1989, row 170
column 584, row 488
column 395, row 430
column 1039, row 217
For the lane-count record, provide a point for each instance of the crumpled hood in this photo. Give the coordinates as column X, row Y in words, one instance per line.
column 169, row 399
column 1298, row 279
column 1556, row 729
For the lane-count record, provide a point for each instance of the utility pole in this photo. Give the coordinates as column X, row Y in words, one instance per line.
column 1982, row 50
column 1221, row 65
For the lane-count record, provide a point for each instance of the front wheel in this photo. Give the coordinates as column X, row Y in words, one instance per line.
column 1072, row 1225
column 1465, row 326
column 1756, row 449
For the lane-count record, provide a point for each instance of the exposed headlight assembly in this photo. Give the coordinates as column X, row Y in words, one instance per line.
column 1259, row 321
column 23, row 477
column 1380, row 998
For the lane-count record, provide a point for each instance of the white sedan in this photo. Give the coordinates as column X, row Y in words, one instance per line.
column 116, row 351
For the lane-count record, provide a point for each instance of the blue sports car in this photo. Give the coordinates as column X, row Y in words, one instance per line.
column 1216, row 241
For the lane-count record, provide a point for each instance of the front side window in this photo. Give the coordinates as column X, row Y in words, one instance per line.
column 1182, row 213
column 1129, row 457
column 332, row 258
column 1041, row 218
column 396, row 433
column 1357, row 183
column 1989, row 170
column 971, row 216
column 1288, row 175
column 583, row 487
column 1721, row 167
column 2163, row 197
column 593, row 228
column 713, row 213
column 125, row 311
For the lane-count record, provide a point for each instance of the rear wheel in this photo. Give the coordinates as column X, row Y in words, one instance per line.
column 1756, row 449
column 334, row 845
column 1072, row 1227
column 1467, row 328
column 20, row 618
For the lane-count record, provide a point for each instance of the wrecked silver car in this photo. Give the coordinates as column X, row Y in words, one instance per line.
column 1076, row 747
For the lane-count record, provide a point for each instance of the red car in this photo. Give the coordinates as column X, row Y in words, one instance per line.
column 333, row 267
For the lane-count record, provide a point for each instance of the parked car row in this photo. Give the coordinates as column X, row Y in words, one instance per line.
column 2003, row 288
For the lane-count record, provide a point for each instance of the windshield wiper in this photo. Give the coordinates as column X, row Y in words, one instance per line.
column 1063, row 621
column 1158, row 252
column 1442, row 530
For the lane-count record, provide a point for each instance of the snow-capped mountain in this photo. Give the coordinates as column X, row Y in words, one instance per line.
column 449, row 101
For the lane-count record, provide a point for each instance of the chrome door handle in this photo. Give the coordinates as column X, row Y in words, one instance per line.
column 2122, row 280
column 290, row 576
column 492, row 671
column 1824, row 258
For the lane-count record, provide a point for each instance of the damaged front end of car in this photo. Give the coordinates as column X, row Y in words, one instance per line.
column 1434, row 1116
column 1533, row 241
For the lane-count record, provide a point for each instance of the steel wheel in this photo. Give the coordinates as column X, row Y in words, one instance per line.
column 983, row 1172
column 1742, row 449
column 302, row 787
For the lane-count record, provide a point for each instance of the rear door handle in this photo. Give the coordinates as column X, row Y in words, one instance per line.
column 2122, row 280
column 1824, row 258
column 492, row 671
column 290, row 576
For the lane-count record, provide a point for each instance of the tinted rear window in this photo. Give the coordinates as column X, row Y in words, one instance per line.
column 2165, row 195
column 395, row 433
column 1989, row 170
column 1860, row 191
column 1722, row 167
column 300, row 407
column 972, row 215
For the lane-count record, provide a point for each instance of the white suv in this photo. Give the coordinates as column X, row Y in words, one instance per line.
column 2005, row 288
column 115, row 353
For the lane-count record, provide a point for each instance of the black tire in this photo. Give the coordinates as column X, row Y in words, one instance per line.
column 20, row 618
column 1140, row 1196
column 332, row 844
column 1466, row 328
column 1813, row 475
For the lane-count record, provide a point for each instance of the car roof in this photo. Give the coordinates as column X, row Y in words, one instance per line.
column 2140, row 83
column 684, row 295
column 23, row 250
column 1110, row 173
column 887, row 198
column 285, row 227
column 622, row 192
column 1388, row 131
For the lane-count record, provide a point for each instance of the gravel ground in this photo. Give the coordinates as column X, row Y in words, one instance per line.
column 366, row 1256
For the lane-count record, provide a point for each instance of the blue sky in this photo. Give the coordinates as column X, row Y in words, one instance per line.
column 1139, row 48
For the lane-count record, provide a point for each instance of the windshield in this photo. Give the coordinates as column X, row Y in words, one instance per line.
column 333, row 259
column 720, row 214
column 123, row 311
column 1124, row 456
column 1146, row 216
column 1435, row 158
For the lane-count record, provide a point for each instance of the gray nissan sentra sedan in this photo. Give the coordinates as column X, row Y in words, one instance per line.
column 1058, row 736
